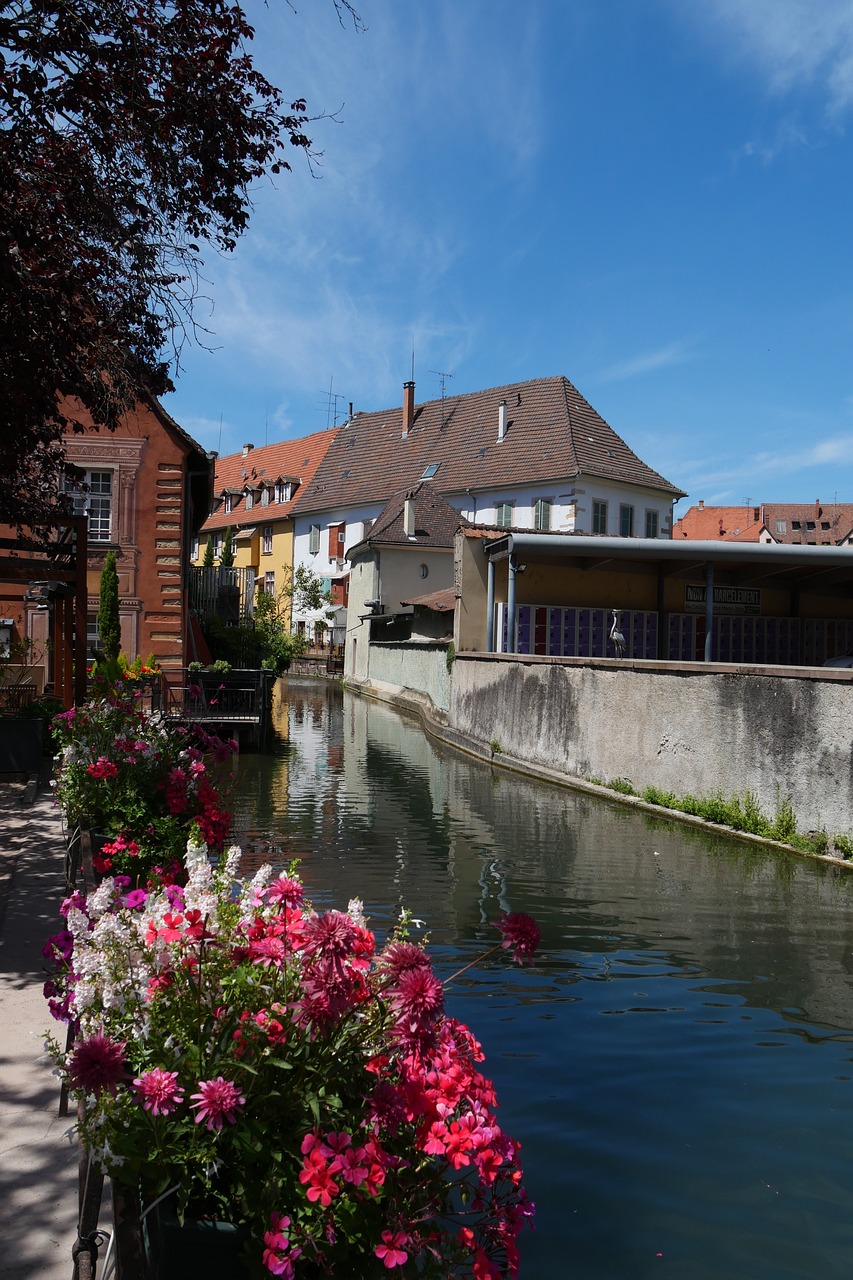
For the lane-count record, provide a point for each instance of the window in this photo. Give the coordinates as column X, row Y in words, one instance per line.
column 250, row 499
column 795, row 524
column 314, row 539
column 300, row 627
column 269, row 582
column 781, row 526
column 599, row 517
column 810, row 524
column 265, row 496
column 824, row 524
column 228, row 503
column 626, row 520
column 542, row 514
column 503, row 515
column 217, row 545
column 283, row 491
column 424, row 570
column 266, row 540
column 93, row 498
column 194, row 548
column 93, row 643
column 430, row 471
column 337, row 538
column 651, row 524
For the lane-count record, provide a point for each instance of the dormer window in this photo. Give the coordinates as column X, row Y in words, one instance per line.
column 250, row 499
column 265, row 496
column 283, row 491
column 228, row 503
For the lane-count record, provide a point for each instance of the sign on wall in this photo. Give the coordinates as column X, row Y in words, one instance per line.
column 741, row 600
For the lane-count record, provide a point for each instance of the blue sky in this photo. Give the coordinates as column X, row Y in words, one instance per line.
column 652, row 197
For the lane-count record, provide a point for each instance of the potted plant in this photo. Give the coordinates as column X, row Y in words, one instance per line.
column 243, row 1058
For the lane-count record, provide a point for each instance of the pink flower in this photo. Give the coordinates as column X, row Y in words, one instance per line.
column 418, row 999
column 279, row 1254
column 400, row 956
column 97, row 1064
column 519, row 931
column 319, row 1183
column 391, row 1251
column 217, row 1100
column 285, row 890
column 159, row 1091
column 332, row 935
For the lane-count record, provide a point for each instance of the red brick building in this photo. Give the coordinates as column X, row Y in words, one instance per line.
column 147, row 490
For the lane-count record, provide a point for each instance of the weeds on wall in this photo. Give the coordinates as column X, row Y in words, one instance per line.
column 741, row 813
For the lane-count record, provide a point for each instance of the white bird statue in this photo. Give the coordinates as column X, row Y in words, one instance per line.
column 617, row 637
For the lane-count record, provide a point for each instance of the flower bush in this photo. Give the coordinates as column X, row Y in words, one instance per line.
column 123, row 772
column 275, row 1067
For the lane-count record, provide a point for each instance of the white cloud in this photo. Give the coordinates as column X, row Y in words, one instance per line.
column 648, row 361
column 794, row 43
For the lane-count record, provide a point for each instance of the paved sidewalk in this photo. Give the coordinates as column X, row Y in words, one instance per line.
column 38, row 1157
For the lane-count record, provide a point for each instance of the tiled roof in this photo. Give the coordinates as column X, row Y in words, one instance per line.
column 439, row 601
column 808, row 522
column 552, row 435
column 791, row 523
column 729, row 524
column 287, row 460
column 435, row 521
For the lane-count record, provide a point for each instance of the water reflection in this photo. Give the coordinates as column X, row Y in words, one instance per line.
column 679, row 1061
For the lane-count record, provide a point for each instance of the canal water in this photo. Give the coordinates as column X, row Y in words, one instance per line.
column 678, row 1064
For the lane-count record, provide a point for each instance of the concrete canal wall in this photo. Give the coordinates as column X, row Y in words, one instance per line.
column 780, row 733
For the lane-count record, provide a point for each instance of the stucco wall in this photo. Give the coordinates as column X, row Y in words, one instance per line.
column 421, row 667
column 687, row 730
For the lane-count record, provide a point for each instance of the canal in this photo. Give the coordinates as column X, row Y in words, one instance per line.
column 678, row 1064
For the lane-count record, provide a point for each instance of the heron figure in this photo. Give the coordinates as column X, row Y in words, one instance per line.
column 617, row 637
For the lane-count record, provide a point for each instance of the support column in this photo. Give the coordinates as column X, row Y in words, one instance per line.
column 709, row 610
column 510, row 607
column 490, row 609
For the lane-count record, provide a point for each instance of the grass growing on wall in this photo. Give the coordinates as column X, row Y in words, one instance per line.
column 741, row 813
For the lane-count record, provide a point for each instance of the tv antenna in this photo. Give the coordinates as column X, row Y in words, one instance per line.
column 332, row 399
column 442, row 381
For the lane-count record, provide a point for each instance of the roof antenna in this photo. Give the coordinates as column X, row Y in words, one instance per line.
column 219, row 445
column 442, row 378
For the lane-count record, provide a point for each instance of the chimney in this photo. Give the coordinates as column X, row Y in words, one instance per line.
column 408, row 408
column 409, row 514
column 501, row 420
column 247, row 449
column 701, row 504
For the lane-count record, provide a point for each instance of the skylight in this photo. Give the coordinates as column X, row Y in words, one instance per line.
column 430, row 471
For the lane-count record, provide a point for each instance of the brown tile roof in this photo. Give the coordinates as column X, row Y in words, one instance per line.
column 439, row 601
column 436, row 522
column 553, row 434
column 288, row 460
column 809, row 522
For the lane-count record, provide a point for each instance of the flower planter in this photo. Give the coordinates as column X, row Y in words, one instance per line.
column 198, row 1247
column 21, row 744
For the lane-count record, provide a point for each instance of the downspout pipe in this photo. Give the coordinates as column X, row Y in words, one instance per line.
column 490, row 609
column 709, row 610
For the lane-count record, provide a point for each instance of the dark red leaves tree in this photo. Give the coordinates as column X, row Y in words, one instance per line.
column 131, row 132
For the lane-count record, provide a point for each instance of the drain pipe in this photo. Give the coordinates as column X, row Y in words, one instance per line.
column 510, row 607
column 490, row 609
column 709, row 610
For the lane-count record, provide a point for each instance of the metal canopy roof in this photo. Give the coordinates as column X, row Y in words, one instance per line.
column 823, row 569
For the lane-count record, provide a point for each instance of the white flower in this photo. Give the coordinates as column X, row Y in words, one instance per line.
column 355, row 911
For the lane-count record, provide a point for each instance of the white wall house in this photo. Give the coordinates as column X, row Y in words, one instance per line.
column 530, row 455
